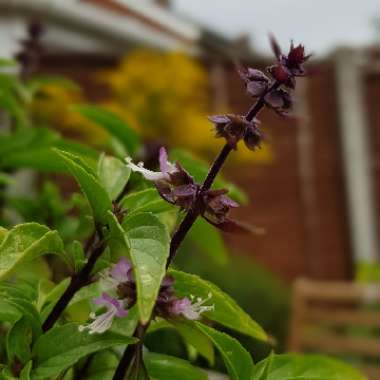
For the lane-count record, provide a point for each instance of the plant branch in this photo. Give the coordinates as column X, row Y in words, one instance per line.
column 78, row 280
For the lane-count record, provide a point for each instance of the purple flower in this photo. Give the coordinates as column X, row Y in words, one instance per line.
column 102, row 322
column 119, row 273
column 121, row 270
column 217, row 205
column 191, row 308
column 280, row 100
column 173, row 182
column 234, row 128
column 166, row 168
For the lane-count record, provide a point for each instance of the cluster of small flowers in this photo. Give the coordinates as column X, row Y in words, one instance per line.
column 178, row 187
column 274, row 92
column 119, row 294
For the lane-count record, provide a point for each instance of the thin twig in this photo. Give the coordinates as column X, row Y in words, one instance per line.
column 78, row 280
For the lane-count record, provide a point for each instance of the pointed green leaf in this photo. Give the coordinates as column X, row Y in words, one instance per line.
column 226, row 311
column 117, row 238
column 52, row 297
column 27, row 310
column 102, row 366
column 113, row 175
column 112, row 123
column 164, row 367
column 147, row 200
column 25, row 373
column 54, row 352
column 262, row 372
column 26, row 242
column 149, row 251
column 236, row 358
column 193, row 336
column 96, row 194
column 306, row 367
column 18, row 341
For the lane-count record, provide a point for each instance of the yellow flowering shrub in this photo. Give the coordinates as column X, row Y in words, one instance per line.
column 163, row 96
column 53, row 107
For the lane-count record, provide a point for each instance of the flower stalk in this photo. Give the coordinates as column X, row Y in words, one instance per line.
column 272, row 93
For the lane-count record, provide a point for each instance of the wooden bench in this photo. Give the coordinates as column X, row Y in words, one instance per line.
column 338, row 318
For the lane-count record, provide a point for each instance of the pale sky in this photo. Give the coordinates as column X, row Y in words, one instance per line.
column 319, row 24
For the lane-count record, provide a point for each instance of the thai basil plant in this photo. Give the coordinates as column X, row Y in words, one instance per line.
column 86, row 279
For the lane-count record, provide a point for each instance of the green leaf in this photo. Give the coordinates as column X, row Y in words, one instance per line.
column 78, row 255
column 305, row 367
column 102, row 366
column 6, row 179
column 226, row 311
column 149, row 251
column 31, row 147
column 237, row 360
column 113, row 174
column 263, row 371
column 8, row 313
column 117, row 238
column 3, row 233
column 54, row 352
column 199, row 169
column 25, row 373
column 209, row 240
column 27, row 310
column 26, row 242
column 9, row 103
column 112, row 123
column 147, row 200
column 164, row 367
column 6, row 373
column 96, row 194
column 18, row 341
column 190, row 334
column 195, row 338
column 52, row 297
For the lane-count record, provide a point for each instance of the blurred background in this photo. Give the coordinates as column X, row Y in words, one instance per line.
column 163, row 66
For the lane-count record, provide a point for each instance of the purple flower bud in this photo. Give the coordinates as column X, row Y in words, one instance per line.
column 231, row 127
column 293, row 62
column 280, row 73
column 217, row 206
column 280, row 100
column 296, row 56
column 252, row 138
column 256, row 81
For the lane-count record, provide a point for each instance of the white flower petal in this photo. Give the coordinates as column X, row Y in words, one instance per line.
column 148, row 174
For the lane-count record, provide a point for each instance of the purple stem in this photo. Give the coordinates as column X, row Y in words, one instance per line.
column 182, row 230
